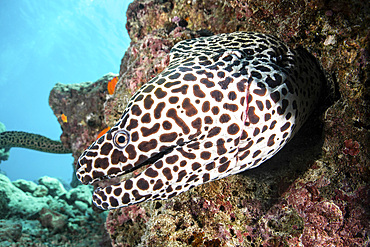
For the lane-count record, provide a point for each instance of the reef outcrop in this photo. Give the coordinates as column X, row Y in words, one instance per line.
column 79, row 109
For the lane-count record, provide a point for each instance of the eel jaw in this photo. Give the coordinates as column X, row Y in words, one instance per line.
column 104, row 182
column 107, row 183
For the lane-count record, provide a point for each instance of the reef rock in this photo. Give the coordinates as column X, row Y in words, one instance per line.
column 35, row 214
column 52, row 220
column 80, row 197
column 10, row 231
column 40, row 191
column 4, row 205
column 54, row 186
column 26, row 186
column 83, row 105
column 20, row 203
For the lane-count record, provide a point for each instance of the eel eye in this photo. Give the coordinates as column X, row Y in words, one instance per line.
column 121, row 138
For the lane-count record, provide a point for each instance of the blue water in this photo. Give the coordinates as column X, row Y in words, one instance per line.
column 44, row 42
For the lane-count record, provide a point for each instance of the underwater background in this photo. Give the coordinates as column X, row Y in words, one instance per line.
column 67, row 41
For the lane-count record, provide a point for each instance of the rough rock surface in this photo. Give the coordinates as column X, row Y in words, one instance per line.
column 313, row 192
column 26, row 186
column 55, row 188
column 82, row 104
column 10, row 231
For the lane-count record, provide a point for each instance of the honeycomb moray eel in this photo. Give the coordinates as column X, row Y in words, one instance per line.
column 225, row 104
column 10, row 139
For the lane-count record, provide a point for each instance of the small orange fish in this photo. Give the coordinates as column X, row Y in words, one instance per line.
column 103, row 132
column 64, row 118
column 112, row 85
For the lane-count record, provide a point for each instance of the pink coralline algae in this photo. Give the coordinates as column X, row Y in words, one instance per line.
column 176, row 19
column 126, row 223
column 351, row 147
column 339, row 220
column 132, row 213
column 122, row 216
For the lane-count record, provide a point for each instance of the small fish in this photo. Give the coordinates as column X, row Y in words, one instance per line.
column 64, row 118
column 112, row 85
column 103, row 132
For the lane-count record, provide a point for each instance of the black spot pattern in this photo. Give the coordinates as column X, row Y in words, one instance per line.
column 172, row 113
column 168, row 137
column 190, row 109
column 158, row 110
column 275, row 96
column 183, row 89
column 208, row 83
column 233, row 129
column 189, row 77
column 198, row 92
column 159, row 93
column 217, row 95
column 252, row 117
column 148, row 102
column 225, row 83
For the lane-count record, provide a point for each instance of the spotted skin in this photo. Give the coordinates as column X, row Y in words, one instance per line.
column 10, row 139
column 225, row 104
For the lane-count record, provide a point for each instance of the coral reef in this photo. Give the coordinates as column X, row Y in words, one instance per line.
column 314, row 192
column 47, row 214
column 82, row 104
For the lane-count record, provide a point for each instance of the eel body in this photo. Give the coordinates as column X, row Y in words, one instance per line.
column 9, row 139
column 225, row 104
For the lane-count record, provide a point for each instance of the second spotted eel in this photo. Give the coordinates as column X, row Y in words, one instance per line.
column 225, row 104
column 9, row 139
